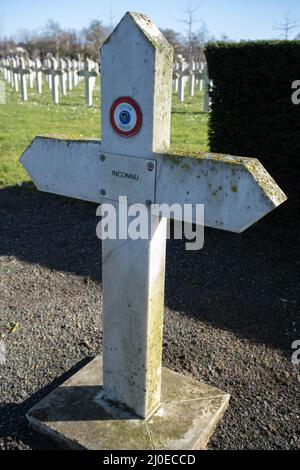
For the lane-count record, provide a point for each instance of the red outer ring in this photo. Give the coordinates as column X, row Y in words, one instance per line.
column 139, row 116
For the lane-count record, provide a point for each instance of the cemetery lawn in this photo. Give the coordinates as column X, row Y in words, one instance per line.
column 20, row 122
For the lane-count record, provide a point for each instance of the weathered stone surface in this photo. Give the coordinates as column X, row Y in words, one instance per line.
column 76, row 415
column 136, row 61
column 236, row 191
column 133, row 319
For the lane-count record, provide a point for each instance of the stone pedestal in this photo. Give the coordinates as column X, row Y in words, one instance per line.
column 76, row 415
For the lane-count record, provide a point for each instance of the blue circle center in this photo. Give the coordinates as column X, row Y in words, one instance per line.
column 125, row 117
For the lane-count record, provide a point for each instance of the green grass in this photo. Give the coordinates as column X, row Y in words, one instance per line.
column 20, row 122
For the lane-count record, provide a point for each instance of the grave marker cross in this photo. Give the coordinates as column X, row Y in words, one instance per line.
column 24, row 73
column 11, row 71
column 69, row 75
column 15, row 74
column 90, row 79
column 38, row 76
column 54, row 73
column 136, row 86
column 63, row 77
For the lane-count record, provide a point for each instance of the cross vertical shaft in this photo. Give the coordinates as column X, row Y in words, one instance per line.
column 133, row 319
column 136, row 62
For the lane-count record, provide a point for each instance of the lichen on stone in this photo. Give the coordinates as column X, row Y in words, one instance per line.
column 68, row 138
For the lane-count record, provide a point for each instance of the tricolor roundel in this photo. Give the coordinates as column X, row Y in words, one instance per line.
column 126, row 116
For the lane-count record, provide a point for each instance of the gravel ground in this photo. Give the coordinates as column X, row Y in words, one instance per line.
column 230, row 319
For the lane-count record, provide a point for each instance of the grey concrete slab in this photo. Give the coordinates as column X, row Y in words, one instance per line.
column 78, row 417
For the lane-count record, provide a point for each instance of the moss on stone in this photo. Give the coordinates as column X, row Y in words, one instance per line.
column 158, row 41
column 68, row 138
column 154, row 346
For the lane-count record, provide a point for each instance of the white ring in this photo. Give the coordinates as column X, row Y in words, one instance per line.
column 133, row 117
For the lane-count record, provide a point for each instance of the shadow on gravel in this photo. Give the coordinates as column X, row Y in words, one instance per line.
column 247, row 283
column 13, row 421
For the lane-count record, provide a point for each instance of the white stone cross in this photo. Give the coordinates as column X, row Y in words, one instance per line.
column 24, row 73
column 90, row 78
column 192, row 69
column 75, row 66
column 30, row 65
column 204, row 82
column 38, row 76
column 199, row 76
column 136, row 87
column 63, row 77
column 15, row 74
column 183, row 74
column 54, row 73
column 11, row 71
column 69, row 75
column 5, row 67
column 47, row 66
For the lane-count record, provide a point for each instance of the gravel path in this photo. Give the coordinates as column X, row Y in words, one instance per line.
column 230, row 319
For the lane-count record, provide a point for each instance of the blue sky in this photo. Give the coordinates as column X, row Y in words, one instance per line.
column 239, row 19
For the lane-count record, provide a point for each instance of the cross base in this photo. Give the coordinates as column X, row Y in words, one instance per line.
column 76, row 415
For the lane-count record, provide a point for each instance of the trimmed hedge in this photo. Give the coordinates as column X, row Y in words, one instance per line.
column 252, row 112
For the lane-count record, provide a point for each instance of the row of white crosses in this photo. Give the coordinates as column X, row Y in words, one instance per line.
column 194, row 75
column 136, row 91
column 61, row 76
column 64, row 74
column 16, row 73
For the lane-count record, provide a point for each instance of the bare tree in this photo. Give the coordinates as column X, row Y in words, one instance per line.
column 111, row 18
column 94, row 36
column 27, row 40
column 51, row 29
column 50, row 39
column 7, row 46
column 190, row 19
column 52, row 34
column 55, row 40
column 70, row 43
column 174, row 39
column 203, row 33
column 288, row 25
